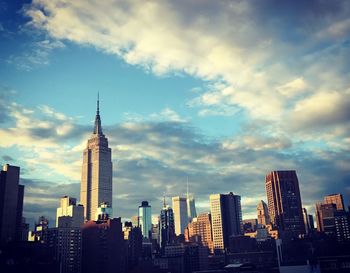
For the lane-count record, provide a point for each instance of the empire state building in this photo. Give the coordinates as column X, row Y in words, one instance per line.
column 96, row 178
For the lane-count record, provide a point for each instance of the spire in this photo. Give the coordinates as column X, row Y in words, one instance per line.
column 187, row 190
column 98, row 128
column 164, row 204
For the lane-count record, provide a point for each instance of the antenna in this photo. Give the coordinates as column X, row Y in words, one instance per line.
column 164, row 204
column 98, row 102
column 187, row 196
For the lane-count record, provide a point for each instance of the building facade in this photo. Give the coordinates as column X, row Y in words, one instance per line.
column 145, row 219
column 199, row 230
column 262, row 213
column 226, row 217
column 336, row 199
column 284, row 202
column 96, row 179
column 11, row 204
column 166, row 226
column 69, row 207
column 180, row 214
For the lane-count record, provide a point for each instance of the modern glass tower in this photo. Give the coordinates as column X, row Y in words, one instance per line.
column 96, row 179
column 145, row 219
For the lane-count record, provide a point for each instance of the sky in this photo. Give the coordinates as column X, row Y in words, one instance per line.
column 216, row 92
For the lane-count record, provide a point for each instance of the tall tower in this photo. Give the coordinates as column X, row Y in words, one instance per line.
column 226, row 216
column 166, row 226
column 262, row 212
column 11, row 204
column 145, row 219
column 284, row 202
column 180, row 214
column 96, row 178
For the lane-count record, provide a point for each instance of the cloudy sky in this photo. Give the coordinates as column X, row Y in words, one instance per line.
column 220, row 92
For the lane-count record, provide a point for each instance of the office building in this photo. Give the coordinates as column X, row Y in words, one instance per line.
column 191, row 207
column 96, row 179
column 226, row 218
column 103, row 245
column 199, row 231
column 69, row 207
column 145, row 219
column 306, row 221
column 336, row 199
column 11, row 204
column 325, row 218
column 284, row 202
column 180, row 214
column 262, row 213
column 166, row 226
column 342, row 225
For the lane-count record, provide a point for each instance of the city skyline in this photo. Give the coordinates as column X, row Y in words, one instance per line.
column 166, row 119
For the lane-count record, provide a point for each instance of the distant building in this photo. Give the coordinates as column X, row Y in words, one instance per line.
column 96, row 178
column 249, row 224
column 342, row 225
column 284, row 202
column 40, row 227
column 262, row 213
column 11, row 204
column 199, row 230
column 191, row 207
column 103, row 246
column 70, row 208
column 306, row 221
column 145, row 219
column 166, row 226
column 180, row 214
column 336, row 199
column 226, row 217
column 66, row 244
column 133, row 239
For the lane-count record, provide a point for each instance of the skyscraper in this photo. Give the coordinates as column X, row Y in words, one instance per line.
column 191, row 206
column 145, row 219
column 70, row 209
column 226, row 218
column 306, row 221
column 11, row 204
column 262, row 213
column 96, row 179
column 180, row 214
column 166, row 226
column 336, row 199
column 284, row 202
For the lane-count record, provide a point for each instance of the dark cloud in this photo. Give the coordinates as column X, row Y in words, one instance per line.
column 7, row 158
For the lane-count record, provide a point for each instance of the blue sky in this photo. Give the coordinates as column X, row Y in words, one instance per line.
column 218, row 91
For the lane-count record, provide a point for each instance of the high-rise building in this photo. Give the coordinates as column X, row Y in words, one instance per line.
column 180, row 214
column 336, row 199
column 145, row 219
column 96, row 179
column 306, row 221
column 70, row 208
column 103, row 245
column 66, row 244
column 226, row 218
column 325, row 218
column 199, row 230
column 191, row 206
column 262, row 213
column 11, row 204
column 284, row 202
column 166, row 226
column 342, row 225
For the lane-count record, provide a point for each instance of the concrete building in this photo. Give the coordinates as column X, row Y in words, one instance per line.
column 199, row 231
column 180, row 214
column 284, row 202
column 96, row 179
column 145, row 219
column 103, row 246
column 66, row 244
column 226, row 217
column 69, row 207
column 11, row 204
column 336, row 199
column 262, row 213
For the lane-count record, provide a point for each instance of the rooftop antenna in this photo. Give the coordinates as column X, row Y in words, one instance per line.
column 187, row 196
column 164, row 205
